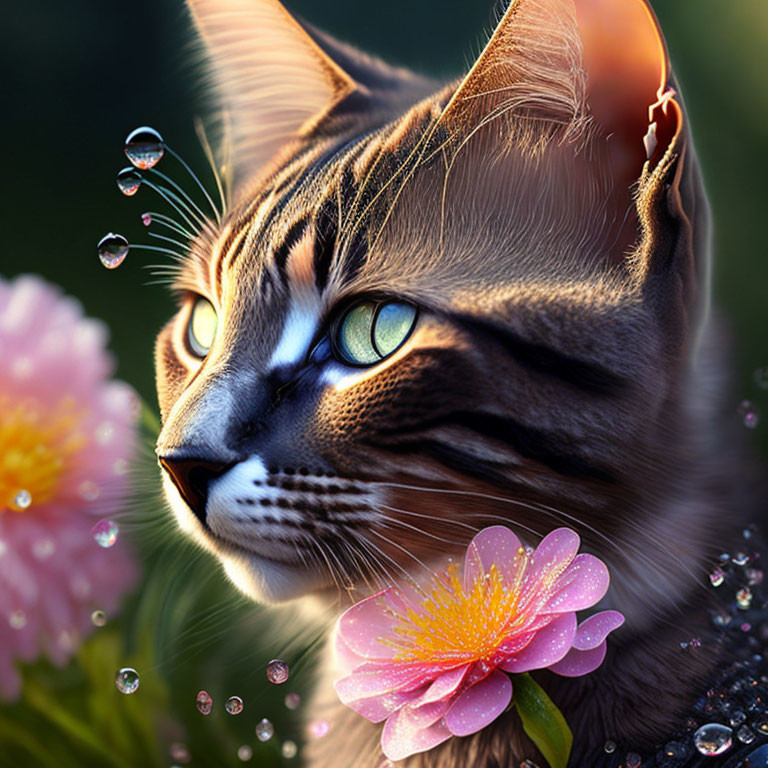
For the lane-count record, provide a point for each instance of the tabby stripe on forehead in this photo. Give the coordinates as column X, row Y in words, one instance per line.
column 587, row 376
column 326, row 234
column 283, row 250
column 529, row 442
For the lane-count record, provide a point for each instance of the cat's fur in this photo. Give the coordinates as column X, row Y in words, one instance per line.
column 564, row 369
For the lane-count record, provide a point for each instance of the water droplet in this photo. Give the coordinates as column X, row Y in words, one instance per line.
column 81, row 587
column 749, row 414
column 713, row 739
column 204, row 703
column 128, row 181
column 88, row 490
column 761, row 377
column 105, row 533
column 289, row 749
column 740, row 559
column 112, row 250
column 234, row 705
column 144, row 147
column 633, row 760
column 67, row 640
column 744, row 598
column 319, row 728
column 179, row 752
column 277, row 671
column 21, row 500
column 716, row 577
column 609, row 747
column 695, row 642
column 739, row 717
column 265, row 730
column 104, row 433
column 676, row 750
column 754, row 576
column 146, row 219
column 721, row 620
column 127, row 680
column 292, row 701
column 761, row 724
column 42, row 549
column 17, row 619
column 98, row 618
column 244, row 753
column 745, row 735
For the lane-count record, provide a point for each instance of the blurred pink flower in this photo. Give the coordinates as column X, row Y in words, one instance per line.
column 66, row 435
column 432, row 662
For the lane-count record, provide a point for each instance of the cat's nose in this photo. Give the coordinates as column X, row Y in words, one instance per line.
column 192, row 476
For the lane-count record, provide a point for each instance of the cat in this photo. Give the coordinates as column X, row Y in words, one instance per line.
column 434, row 306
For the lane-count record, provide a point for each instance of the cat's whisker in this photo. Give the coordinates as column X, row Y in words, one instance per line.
column 390, row 522
column 215, row 169
column 216, row 212
column 166, row 221
column 184, row 197
column 171, row 240
column 402, row 549
column 178, row 205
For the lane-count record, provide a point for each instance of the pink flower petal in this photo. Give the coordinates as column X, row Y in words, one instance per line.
column 364, row 624
column 443, row 686
column 548, row 646
column 479, row 705
column 592, row 631
column 378, row 680
column 403, row 737
column 379, row 708
column 495, row 545
column 427, row 714
column 345, row 658
column 578, row 663
column 583, row 584
column 555, row 553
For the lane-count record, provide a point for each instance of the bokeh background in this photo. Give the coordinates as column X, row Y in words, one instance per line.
column 77, row 77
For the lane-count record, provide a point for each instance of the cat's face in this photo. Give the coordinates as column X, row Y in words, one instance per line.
column 417, row 320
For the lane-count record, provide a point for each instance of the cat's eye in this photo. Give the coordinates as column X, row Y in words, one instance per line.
column 370, row 331
column 202, row 327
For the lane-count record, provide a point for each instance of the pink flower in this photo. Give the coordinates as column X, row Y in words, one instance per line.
column 432, row 662
column 66, row 434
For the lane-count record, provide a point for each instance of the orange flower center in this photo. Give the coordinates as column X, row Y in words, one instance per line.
column 454, row 625
column 37, row 443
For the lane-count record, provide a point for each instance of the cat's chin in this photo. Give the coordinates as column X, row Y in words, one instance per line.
column 257, row 577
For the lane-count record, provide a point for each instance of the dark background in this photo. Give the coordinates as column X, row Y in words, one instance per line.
column 79, row 75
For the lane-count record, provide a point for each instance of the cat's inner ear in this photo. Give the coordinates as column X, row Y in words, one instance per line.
column 273, row 80
column 627, row 86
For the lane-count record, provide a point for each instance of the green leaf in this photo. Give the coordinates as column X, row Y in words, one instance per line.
column 542, row 721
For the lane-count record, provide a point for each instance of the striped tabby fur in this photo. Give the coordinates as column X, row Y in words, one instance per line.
column 563, row 371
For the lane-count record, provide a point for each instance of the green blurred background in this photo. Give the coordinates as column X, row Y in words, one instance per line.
column 77, row 77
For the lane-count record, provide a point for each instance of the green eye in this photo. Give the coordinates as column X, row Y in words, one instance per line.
column 370, row 331
column 202, row 327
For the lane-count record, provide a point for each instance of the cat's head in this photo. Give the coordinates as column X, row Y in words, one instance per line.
column 433, row 307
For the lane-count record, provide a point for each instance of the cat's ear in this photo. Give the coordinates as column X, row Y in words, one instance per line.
column 552, row 66
column 273, row 79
